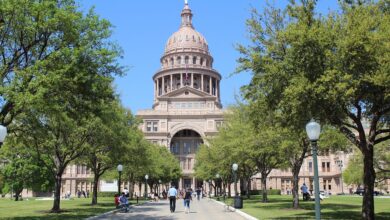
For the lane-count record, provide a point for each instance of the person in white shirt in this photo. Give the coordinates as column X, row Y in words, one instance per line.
column 172, row 193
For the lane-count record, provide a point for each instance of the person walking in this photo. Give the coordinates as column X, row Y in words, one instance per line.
column 187, row 199
column 172, row 193
column 305, row 192
column 198, row 191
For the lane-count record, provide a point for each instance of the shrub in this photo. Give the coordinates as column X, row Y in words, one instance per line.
column 269, row 192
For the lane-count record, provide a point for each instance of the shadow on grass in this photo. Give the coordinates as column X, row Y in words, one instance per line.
column 71, row 213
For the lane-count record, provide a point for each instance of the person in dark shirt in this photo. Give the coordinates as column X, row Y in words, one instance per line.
column 187, row 199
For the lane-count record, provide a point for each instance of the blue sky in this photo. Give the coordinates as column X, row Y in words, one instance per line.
column 142, row 28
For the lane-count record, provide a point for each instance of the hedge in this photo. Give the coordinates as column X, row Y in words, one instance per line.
column 269, row 192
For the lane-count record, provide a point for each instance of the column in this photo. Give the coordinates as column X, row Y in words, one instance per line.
column 210, row 85
column 155, row 89
column 158, row 87
column 193, row 183
column 192, row 80
column 163, row 86
column 217, row 88
column 171, row 83
column 181, row 79
column 201, row 82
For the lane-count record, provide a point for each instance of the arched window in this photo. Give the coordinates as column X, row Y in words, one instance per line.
column 178, row 59
column 186, row 60
column 172, row 62
column 201, row 61
column 207, row 62
column 194, row 60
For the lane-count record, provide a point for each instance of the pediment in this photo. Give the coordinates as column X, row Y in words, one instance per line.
column 187, row 92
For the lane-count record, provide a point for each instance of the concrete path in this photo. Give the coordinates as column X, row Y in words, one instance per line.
column 203, row 209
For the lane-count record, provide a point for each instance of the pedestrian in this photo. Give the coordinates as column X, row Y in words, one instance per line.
column 124, row 202
column 198, row 191
column 85, row 196
column 78, row 193
column 305, row 192
column 187, row 199
column 126, row 191
column 87, row 193
column 164, row 194
column 116, row 200
column 172, row 193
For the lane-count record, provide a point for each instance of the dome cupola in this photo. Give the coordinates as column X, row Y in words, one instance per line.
column 186, row 38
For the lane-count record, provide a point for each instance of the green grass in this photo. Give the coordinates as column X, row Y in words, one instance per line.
column 335, row 207
column 78, row 208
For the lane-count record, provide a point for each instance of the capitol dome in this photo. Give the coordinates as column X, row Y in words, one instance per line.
column 186, row 38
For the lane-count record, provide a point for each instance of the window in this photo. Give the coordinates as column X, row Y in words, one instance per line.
column 310, row 166
column 186, row 60
column 218, row 124
column 151, row 126
column 175, row 148
column 325, row 166
column 187, row 147
column 194, row 60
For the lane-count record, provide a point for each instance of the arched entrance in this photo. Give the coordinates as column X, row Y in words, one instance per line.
column 184, row 145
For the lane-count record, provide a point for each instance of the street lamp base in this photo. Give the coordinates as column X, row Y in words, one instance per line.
column 238, row 203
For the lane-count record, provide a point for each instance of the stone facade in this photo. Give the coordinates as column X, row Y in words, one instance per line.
column 187, row 107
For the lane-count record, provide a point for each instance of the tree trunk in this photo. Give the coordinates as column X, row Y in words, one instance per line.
column 17, row 193
column 131, row 189
column 57, row 193
column 368, row 180
column 229, row 190
column 95, row 188
column 295, row 182
column 248, row 188
column 139, row 189
column 264, row 187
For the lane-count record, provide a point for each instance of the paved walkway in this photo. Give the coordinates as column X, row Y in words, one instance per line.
column 203, row 209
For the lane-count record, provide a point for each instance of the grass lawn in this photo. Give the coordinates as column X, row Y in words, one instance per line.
column 78, row 208
column 335, row 207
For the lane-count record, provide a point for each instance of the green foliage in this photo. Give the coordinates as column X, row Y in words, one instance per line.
column 333, row 68
column 269, row 192
column 353, row 174
column 106, row 194
column 23, row 169
column 57, row 67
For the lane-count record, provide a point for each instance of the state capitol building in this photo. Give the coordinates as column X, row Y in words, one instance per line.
column 187, row 109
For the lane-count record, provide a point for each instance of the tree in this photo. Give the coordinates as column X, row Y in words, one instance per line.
column 108, row 141
column 22, row 169
column 333, row 68
column 287, row 54
column 66, row 91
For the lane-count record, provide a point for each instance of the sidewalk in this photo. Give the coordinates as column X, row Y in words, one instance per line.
column 203, row 209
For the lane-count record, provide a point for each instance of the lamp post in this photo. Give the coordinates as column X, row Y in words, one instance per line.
column 119, row 168
column 237, row 198
column 340, row 164
column 217, row 183
column 146, row 186
column 3, row 133
column 313, row 130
